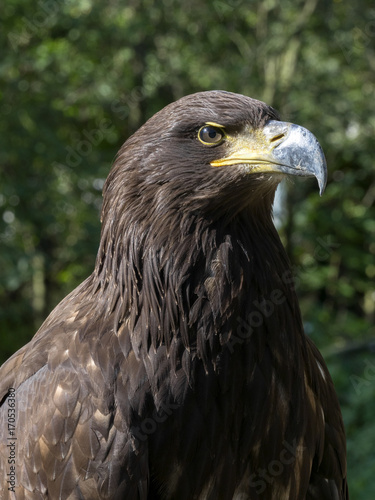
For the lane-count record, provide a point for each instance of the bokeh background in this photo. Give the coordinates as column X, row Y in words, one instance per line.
column 78, row 77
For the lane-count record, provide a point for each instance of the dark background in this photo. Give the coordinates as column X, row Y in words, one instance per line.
column 78, row 77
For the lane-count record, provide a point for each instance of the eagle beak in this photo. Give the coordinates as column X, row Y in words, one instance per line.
column 278, row 148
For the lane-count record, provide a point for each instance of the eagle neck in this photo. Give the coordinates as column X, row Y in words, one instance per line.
column 200, row 284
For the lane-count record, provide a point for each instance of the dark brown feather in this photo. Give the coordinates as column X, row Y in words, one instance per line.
column 179, row 368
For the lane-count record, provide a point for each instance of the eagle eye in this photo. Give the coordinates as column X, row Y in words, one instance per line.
column 210, row 136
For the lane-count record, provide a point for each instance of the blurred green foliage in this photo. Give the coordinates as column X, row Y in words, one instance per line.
column 78, row 77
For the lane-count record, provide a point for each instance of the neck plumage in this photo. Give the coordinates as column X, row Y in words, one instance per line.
column 199, row 281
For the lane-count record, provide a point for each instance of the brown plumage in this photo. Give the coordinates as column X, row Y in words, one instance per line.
column 179, row 369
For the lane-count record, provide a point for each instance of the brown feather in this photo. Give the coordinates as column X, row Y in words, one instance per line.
column 179, row 368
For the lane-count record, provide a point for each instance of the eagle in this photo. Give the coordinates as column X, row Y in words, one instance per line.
column 180, row 369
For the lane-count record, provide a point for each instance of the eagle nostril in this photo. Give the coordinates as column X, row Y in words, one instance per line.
column 277, row 137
